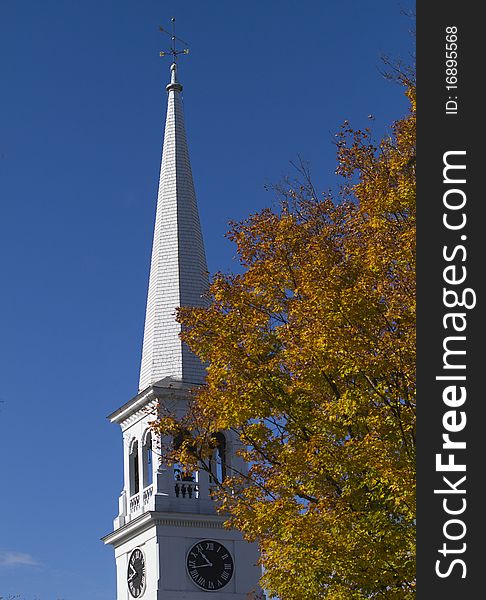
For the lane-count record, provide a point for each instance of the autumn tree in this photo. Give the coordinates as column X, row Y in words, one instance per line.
column 311, row 361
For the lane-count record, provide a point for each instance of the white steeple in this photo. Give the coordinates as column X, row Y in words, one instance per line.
column 178, row 271
column 167, row 521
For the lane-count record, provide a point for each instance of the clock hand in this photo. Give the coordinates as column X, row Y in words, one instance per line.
column 201, row 566
column 204, row 556
column 133, row 574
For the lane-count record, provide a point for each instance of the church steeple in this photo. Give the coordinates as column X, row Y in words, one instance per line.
column 169, row 541
column 178, row 271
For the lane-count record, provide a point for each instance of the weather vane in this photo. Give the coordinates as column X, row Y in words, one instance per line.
column 173, row 49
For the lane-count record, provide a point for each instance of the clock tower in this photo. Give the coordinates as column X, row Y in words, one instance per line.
column 169, row 541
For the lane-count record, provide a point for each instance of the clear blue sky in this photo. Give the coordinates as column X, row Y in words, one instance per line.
column 81, row 125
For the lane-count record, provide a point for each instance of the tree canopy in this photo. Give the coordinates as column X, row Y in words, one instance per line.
column 311, row 361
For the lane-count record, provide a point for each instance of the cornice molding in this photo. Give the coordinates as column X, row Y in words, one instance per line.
column 153, row 519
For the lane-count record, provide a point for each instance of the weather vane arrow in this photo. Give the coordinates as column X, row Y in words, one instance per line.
column 174, row 39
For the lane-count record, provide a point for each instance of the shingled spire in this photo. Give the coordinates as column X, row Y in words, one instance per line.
column 178, row 271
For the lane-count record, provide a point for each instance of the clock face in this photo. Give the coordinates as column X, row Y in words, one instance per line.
column 209, row 565
column 136, row 573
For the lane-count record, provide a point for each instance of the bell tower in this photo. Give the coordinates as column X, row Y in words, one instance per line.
column 169, row 541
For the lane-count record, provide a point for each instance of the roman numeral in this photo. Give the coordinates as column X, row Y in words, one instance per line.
column 227, row 566
column 201, row 581
column 224, row 575
column 210, row 585
column 194, row 574
column 209, row 546
column 224, row 556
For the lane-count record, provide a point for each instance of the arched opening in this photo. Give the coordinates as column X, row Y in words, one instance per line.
column 186, row 481
column 134, row 469
column 181, row 472
column 217, row 464
column 147, row 460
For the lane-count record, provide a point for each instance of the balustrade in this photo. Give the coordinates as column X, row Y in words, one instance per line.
column 186, row 485
column 147, row 494
column 141, row 499
column 134, row 503
column 187, row 489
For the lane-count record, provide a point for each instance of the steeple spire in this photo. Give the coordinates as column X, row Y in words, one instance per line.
column 178, row 271
column 174, row 84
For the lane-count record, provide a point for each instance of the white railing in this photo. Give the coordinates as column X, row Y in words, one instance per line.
column 141, row 499
column 186, row 489
column 147, row 494
column 186, row 485
column 183, row 489
column 134, row 503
